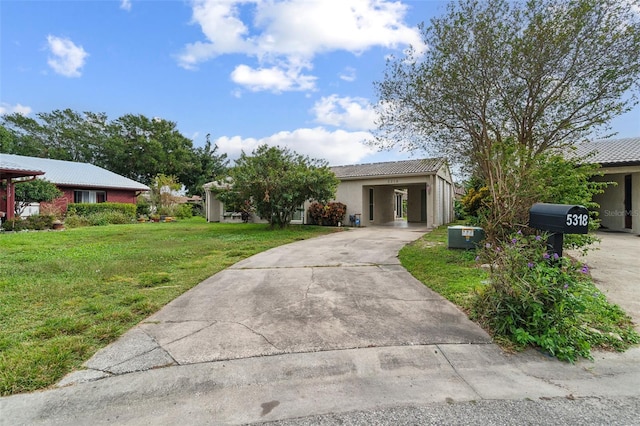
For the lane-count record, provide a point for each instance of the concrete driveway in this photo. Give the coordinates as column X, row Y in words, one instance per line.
column 615, row 267
column 341, row 291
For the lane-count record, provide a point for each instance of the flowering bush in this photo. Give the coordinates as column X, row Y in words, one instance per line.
column 536, row 297
column 329, row 215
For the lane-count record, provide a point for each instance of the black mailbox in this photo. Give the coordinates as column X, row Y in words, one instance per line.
column 559, row 219
column 564, row 218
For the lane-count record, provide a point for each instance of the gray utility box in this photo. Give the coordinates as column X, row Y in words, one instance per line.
column 464, row 237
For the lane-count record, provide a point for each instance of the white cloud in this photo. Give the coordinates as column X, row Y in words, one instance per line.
column 67, row 59
column 348, row 112
column 337, row 147
column 5, row 108
column 349, row 74
column 125, row 5
column 282, row 34
column 274, row 79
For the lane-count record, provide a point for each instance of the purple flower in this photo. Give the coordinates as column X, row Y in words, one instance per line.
column 514, row 240
column 530, row 265
column 477, row 258
column 519, row 232
column 538, row 237
column 546, row 256
column 555, row 256
column 488, row 245
column 566, row 286
column 585, row 269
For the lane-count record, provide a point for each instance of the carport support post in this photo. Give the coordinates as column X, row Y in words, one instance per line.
column 11, row 200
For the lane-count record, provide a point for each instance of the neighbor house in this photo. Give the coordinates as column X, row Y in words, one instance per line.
column 379, row 193
column 620, row 163
column 79, row 182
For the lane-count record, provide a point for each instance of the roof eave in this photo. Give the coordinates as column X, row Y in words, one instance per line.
column 388, row 176
column 619, row 163
column 80, row 185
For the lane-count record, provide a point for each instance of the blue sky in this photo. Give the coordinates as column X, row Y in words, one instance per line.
column 297, row 74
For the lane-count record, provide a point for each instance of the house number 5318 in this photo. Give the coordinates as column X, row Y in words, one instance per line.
column 577, row 219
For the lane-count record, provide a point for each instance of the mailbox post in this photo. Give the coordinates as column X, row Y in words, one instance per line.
column 559, row 219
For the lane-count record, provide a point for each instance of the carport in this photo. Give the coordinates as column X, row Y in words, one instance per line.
column 378, row 191
column 12, row 174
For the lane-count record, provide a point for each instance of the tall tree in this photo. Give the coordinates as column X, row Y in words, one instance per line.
column 277, row 181
column 60, row 134
column 141, row 148
column 211, row 166
column 502, row 82
column 26, row 136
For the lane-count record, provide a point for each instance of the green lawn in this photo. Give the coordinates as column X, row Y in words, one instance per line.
column 452, row 273
column 64, row 295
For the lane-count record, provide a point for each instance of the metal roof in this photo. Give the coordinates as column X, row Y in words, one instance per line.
column 69, row 173
column 624, row 151
column 423, row 166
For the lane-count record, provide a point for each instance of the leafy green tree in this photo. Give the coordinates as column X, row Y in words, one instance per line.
column 141, row 148
column 277, row 181
column 210, row 166
column 26, row 136
column 501, row 83
column 34, row 191
column 7, row 140
column 60, row 134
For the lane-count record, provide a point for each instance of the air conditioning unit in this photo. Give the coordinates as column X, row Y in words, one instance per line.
column 464, row 237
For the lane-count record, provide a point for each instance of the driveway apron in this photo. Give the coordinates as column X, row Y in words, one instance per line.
column 340, row 291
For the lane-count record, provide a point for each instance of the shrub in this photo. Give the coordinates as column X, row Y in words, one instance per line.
column 75, row 221
column 143, row 208
column 108, row 218
column 328, row 215
column 40, row 222
column 184, row 211
column 87, row 209
column 35, row 222
column 15, row 224
column 534, row 297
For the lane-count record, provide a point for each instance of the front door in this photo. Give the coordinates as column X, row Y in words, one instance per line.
column 628, row 218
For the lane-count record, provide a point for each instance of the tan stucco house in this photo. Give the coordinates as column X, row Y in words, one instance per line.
column 620, row 163
column 379, row 193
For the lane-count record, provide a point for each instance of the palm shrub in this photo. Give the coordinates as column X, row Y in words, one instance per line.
column 536, row 298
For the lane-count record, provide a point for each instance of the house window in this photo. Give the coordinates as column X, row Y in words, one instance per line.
column 89, row 196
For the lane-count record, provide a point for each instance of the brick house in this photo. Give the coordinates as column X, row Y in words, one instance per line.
column 79, row 182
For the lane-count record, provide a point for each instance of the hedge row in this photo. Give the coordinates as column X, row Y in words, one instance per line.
column 88, row 209
column 37, row 222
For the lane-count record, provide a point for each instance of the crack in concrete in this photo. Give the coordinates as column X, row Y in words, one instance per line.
column 159, row 346
column 209, row 324
column 455, row 370
column 259, row 334
column 336, row 265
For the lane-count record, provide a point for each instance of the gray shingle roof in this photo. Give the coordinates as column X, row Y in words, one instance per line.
column 624, row 151
column 393, row 168
column 69, row 173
